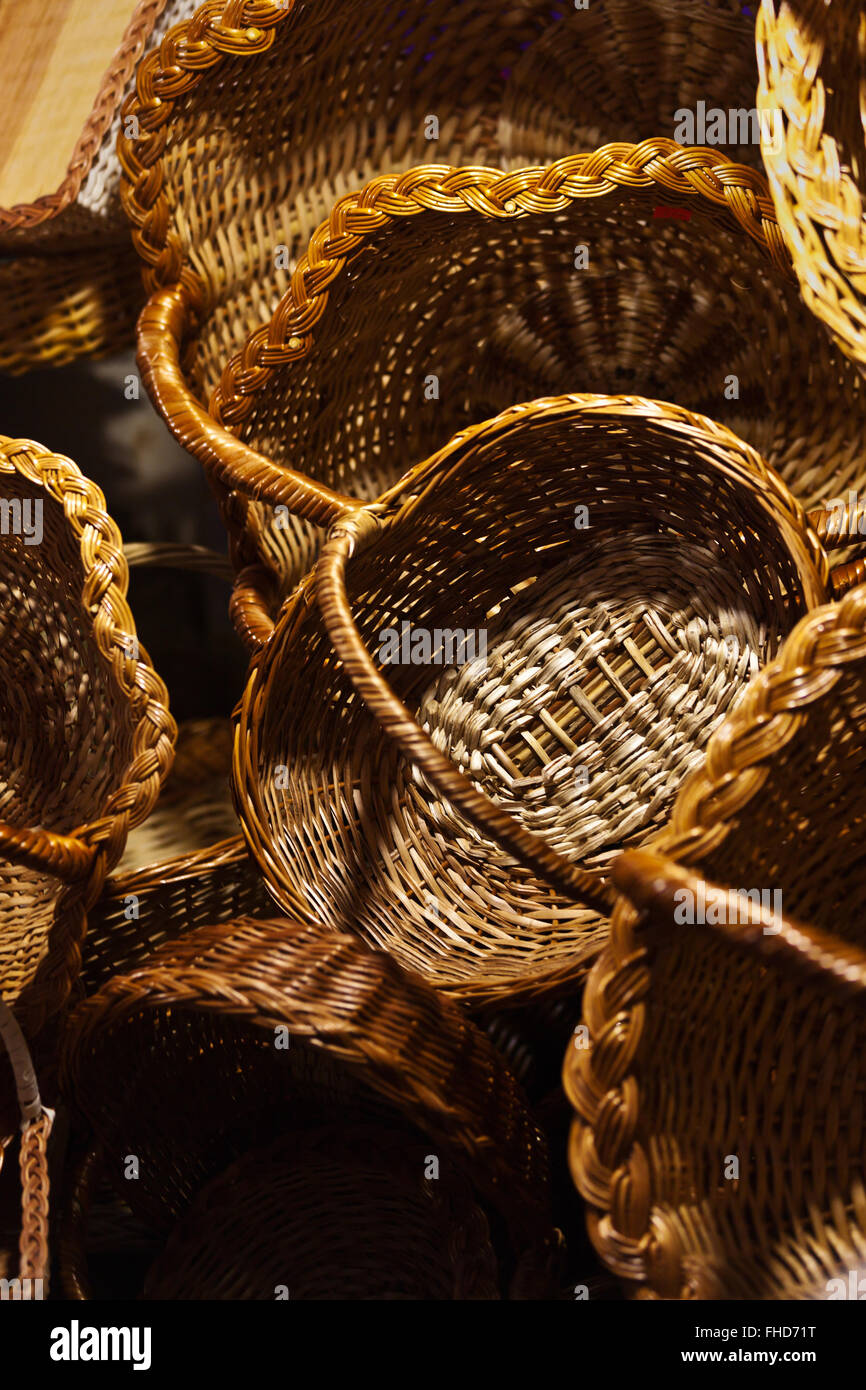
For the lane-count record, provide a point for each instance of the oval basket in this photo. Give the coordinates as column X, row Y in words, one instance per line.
column 812, row 63
column 432, row 300
column 719, row 1131
column 86, row 738
column 626, row 566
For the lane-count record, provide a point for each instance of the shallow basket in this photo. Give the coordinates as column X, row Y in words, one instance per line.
column 719, row 1138
column 330, row 1214
column 226, row 1039
column 235, row 160
column 812, row 62
column 627, row 566
column 86, row 738
column 431, row 301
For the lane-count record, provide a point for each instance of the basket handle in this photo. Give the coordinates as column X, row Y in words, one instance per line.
column 837, row 527
column 36, row 1124
column 569, row 879
column 237, row 468
column 652, row 883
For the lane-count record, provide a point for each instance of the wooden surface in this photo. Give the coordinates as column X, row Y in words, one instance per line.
column 53, row 56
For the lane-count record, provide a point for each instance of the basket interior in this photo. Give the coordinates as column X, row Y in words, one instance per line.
column 442, row 320
column 265, row 144
column 331, row 1214
column 613, row 651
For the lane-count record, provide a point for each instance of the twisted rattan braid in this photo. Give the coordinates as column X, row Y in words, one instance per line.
column 187, row 51
column 810, row 59
column 90, row 850
column 686, row 172
column 612, row 1153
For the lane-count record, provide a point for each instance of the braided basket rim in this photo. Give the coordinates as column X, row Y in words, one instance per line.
column 734, row 770
column 811, row 189
column 104, row 597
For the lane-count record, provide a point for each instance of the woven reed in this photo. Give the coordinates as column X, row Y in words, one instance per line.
column 177, row 1064
column 56, row 309
column 612, row 652
column 233, row 160
column 710, row 1042
column 86, row 738
column 812, row 62
column 469, row 276
column 186, row 867
column 333, row 1214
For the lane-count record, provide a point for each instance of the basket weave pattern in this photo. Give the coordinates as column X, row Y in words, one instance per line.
column 696, row 1052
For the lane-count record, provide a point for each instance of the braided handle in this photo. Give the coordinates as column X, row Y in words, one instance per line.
column 36, row 1124
column 652, row 883
column 63, row 856
column 491, row 820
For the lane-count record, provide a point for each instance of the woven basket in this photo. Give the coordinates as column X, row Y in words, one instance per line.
column 743, row 1039
column 433, row 301
column 611, row 654
column 36, row 1122
column 812, row 61
column 179, row 1065
column 86, row 738
column 234, row 161
column 330, row 1214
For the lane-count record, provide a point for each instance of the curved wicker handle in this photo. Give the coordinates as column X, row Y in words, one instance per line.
column 36, row 1124
column 570, row 880
column 226, row 459
column 838, row 528
column 651, row 883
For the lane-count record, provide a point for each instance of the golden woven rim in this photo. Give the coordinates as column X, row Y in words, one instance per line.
column 819, row 206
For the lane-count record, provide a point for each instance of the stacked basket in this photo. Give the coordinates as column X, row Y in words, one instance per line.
column 545, row 496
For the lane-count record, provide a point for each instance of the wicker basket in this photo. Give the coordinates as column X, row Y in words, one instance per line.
column 331, row 1214
column 86, row 737
column 180, row 1064
column 35, row 1130
column 234, row 160
column 812, row 61
column 743, row 1038
column 611, row 653
column 432, row 301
